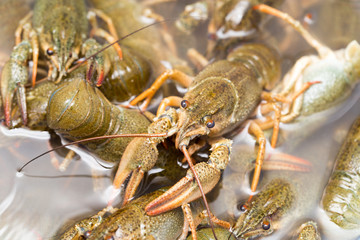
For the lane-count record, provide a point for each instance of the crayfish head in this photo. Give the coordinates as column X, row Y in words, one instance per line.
column 62, row 47
column 263, row 214
column 207, row 109
column 188, row 130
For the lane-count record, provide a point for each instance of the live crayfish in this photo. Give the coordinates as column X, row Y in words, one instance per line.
column 152, row 50
column 229, row 22
column 307, row 231
column 131, row 222
column 280, row 202
column 226, row 93
column 59, row 36
column 231, row 199
column 123, row 79
column 338, row 72
column 68, row 109
column 341, row 195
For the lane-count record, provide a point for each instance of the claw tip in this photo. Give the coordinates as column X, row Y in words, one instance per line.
column 100, row 79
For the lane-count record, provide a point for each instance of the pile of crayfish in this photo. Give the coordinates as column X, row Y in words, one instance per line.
column 197, row 119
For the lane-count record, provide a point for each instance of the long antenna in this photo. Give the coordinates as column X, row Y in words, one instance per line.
column 120, row 39
column 92, row 139
column 191, row 165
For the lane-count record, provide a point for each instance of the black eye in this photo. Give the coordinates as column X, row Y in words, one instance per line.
column 184, row 104
column 242, row 207
column 266, row 225
column 70, row 54
column 50, row 51
column 210, row 123
column 87, row 234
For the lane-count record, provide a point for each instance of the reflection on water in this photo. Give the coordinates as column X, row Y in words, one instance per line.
column 35, row 204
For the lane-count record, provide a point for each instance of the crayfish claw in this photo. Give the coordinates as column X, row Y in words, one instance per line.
column 139, row 157
column 13, row 78
column 136, row 177
column 99, row 61
column 21, row 98
column 7, row 97
column 186, row 190
column 173, row 198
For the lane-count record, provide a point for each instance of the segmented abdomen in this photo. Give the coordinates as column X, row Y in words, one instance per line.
column 127, row 77
column 263, row 60
column 77, row 110
column 341, row 199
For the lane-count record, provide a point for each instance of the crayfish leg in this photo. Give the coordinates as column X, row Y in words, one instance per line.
column 148, row 94
column 109, row 37
column 24, row 31
column 188, row 219
column 321, row 48
column 35, row 50
column 167, row 37
column 255, row 129
column 197, row 58
column 20, row 27
column 173, row 101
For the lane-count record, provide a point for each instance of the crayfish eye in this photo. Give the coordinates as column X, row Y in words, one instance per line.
column 210, row 123
column 87, row 234
column 184, row 104
column 242, row 207
column 265, row 225
column 50, row 51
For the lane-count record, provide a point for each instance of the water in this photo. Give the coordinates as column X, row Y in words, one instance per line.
column 35, row 204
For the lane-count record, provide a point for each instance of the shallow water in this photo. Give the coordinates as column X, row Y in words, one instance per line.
column 34, row 205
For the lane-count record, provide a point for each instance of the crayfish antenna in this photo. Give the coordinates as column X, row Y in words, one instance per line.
column 115, row 42
column 191, row 165
column 93, row 139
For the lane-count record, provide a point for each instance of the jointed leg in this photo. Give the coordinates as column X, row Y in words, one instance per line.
column 189, row 218
column 168, row 39
column 106, row 19
column 35, row 49
column 321, row 49
column 255, row 129
column 109, row 37
column 173, row 101
column 197, row 58
column 20, row 28
column 177, row 75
